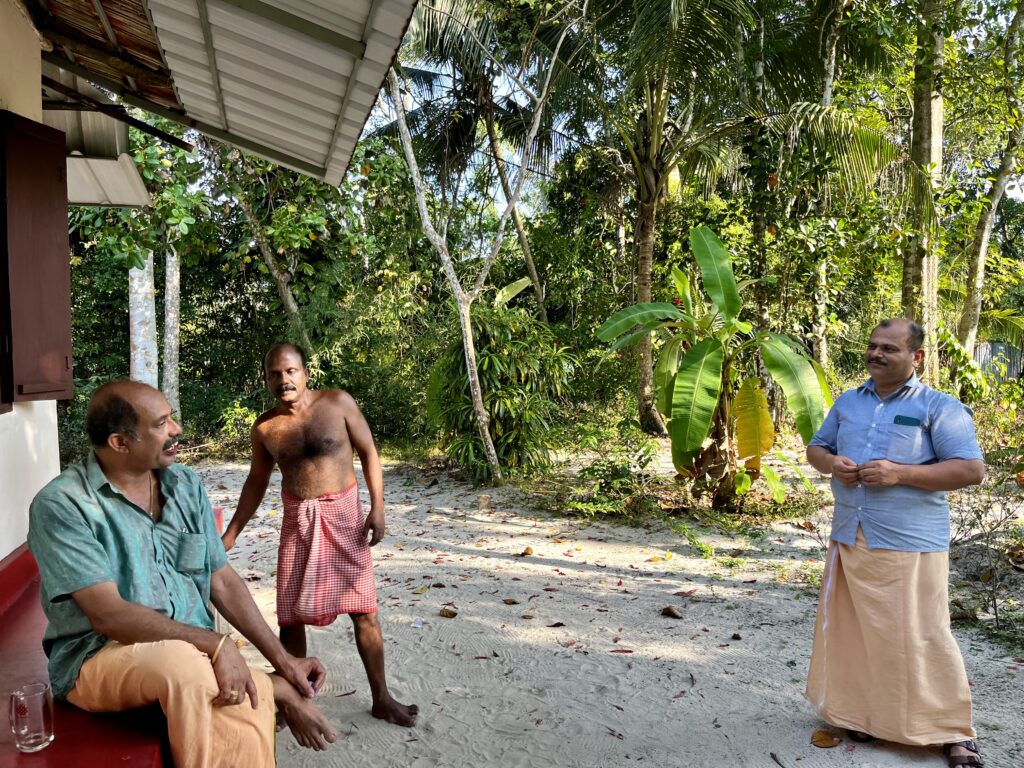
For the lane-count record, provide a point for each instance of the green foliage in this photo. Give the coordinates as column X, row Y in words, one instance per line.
column 617, row 484
column 524, row 369
column 699, row 369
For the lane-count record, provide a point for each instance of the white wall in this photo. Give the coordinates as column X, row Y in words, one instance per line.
column 29, row 455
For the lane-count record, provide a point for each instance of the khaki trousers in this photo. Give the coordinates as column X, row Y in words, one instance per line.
column 181, row 678
column 884, row 659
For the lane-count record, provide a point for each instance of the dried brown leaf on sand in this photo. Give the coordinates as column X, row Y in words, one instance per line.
column 671, row 610
column 825, row 739
column 448, row 613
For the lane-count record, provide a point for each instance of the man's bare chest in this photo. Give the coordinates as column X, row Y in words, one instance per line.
column 309, row 440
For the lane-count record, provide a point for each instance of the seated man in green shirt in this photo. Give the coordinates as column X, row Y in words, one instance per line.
column 130, row 560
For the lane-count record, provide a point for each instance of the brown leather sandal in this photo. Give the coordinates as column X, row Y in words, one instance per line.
column 957, row 761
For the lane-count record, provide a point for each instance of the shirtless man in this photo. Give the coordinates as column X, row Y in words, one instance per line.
column 324, row 565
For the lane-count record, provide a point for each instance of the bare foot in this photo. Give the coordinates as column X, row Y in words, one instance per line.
column 307, row 723
column 393, row 712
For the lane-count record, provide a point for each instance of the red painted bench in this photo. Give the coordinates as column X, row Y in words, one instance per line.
column 134, row 739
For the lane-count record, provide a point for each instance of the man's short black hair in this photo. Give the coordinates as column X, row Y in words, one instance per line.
column 915, row 339
column 284, row 345
column 110, row 414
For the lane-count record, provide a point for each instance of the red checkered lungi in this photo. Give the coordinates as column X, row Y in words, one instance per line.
column 323, row 562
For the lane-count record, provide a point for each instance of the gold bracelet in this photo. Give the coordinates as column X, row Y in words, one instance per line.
column 216, row 652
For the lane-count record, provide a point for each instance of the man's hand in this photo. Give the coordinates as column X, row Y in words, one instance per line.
column 845, row 470
column 880, row 473
column 233, row 677
column 374, row 526
column 306, row 674
column 228, row 540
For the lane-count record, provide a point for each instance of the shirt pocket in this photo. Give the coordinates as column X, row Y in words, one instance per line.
column 191, row 555
column 906, row 444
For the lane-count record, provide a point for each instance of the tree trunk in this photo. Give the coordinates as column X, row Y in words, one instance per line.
column 650, row 419
column 920, row 261
column 819, row 323
column 482, row 419
column 819, row 320
column 967, row 330
column 142, row 323
column 524, row 243
column 463, row 300
column 282, row 280
column 172, row 327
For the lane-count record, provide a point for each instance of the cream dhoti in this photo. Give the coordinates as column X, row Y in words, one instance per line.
column 884, row 660
column 324, row 566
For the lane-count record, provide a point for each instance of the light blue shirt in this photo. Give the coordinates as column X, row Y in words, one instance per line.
column 914, row 425
column 83, row 531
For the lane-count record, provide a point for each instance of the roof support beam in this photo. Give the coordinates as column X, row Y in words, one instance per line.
column 127, row 97
column 298, row 24
column 114, row 111
column 349, row 86
column 113, row 60
column 211, row 57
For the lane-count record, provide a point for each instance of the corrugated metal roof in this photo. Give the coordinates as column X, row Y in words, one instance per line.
column 99, row 169
column 291, row 80
column 297, row 77
column 104, row 181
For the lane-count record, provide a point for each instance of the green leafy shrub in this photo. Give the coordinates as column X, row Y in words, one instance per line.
column 523, row 370
column 618, row 483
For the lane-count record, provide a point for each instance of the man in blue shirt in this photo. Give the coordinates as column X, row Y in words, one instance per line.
column 130, row 559
column 884, row 662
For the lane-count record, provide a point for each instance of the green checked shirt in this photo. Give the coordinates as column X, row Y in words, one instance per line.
column 83, row 531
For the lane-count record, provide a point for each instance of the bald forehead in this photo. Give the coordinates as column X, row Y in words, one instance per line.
column 280, row 352
column 132, row 391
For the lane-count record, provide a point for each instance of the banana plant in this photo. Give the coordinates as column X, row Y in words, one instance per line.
column 715, row 406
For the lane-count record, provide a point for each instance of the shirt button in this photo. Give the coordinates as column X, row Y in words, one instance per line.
column 874, row 425
column 860, row 509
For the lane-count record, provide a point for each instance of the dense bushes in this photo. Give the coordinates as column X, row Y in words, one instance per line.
column 524, row 370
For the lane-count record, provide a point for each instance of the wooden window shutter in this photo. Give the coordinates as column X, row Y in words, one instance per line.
column 34, row 263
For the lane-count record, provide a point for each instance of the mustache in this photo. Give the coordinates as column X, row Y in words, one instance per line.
column 171, row 443
column 285, row 388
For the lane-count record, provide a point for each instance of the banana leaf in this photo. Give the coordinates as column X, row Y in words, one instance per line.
column 665, row 374
column 716, row 271
column 755, row 432
column 795, row 375
column 683, row 289
column 695, row 394
column 826, row 393
column 510, row 291
column 639, row 314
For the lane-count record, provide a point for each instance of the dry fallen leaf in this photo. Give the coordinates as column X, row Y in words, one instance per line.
column 556, row 624
column 422, row 590
column 736, row 636
column 671, row 610
column 527, row 616
column 448, row 613
column 526, row 552
column 825, row 739
column 510, row 601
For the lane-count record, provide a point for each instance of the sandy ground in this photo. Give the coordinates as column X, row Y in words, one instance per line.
column 563, row 658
